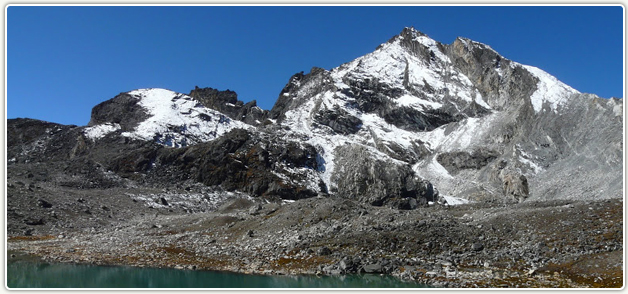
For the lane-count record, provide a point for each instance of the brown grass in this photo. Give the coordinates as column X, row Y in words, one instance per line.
column 581, row 272
column 30, row 238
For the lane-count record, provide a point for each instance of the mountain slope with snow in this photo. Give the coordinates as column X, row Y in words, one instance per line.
column 172, row 119
column 413, row 122
column 460, row 115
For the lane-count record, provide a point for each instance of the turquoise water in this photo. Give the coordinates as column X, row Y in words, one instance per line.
column 34, row 274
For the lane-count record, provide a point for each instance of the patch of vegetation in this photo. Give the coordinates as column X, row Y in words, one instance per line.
column 30, row 238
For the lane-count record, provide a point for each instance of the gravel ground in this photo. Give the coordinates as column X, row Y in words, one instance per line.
column 532, row 244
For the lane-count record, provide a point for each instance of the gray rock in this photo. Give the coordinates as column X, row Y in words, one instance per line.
column 359, row 175
column 43, row 203
column 162, row 201
column 346, row 264
column 374, row 268
column 477, row 246
column 323, row 251
column 255, row 209
column 455, row 161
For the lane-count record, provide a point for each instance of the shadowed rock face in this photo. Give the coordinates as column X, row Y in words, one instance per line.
column 237, row 161
column 374, row 97
column 339, row 121
column 122, row 109
column 298, row 89
column 227, row 102
column 456, row 161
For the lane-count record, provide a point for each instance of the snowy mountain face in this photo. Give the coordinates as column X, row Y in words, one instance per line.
column 461, row 116
column 412, row 122
column 171, row 119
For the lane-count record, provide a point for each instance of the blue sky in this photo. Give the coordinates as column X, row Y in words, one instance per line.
column 63, row 60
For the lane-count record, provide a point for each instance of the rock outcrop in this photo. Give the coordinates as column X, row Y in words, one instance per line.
column 227, row 102
column 360, row 175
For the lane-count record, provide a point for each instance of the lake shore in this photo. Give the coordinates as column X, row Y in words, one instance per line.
column 25, row 271
column 536, row 244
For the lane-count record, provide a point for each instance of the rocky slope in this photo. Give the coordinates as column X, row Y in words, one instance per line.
column 415, row 122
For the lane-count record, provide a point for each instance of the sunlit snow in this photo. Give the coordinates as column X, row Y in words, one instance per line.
column 101, row 130
column 178, row 120
column 455, row 200
column 549, row 90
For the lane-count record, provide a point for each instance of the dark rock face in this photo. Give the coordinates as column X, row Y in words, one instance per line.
column 339, row 120
column 378, row 182
column 372, row 96
column 455, row 161
column 122, row 109
column 412, row 120
column 227, row 102
column 30, row 140
column 411, row 154
column 239, row 160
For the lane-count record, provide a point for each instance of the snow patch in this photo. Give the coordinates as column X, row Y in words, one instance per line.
column 464, row 136
column 525, row 159
column 480, row 101
column 432, row 170
column 548, row 90
column 98, row 131
column 455, row 200
column 413, row 101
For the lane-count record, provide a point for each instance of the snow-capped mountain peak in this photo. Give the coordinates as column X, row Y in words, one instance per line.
column 443, row 109
column 172, row 119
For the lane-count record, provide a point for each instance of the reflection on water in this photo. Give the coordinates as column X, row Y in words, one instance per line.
column 33, row 274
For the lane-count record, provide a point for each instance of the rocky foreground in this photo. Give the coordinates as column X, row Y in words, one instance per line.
column 532, row 244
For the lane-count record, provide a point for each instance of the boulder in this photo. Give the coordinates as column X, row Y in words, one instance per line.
column 323, row 251
column 373, row 268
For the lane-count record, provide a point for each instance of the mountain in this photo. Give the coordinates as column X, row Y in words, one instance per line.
column 414, row 121
column 475, row 124
column 353, row 170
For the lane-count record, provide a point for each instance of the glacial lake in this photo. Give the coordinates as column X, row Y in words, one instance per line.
column 32, row 273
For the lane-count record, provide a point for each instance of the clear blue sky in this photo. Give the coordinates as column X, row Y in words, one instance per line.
column 62, row 61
